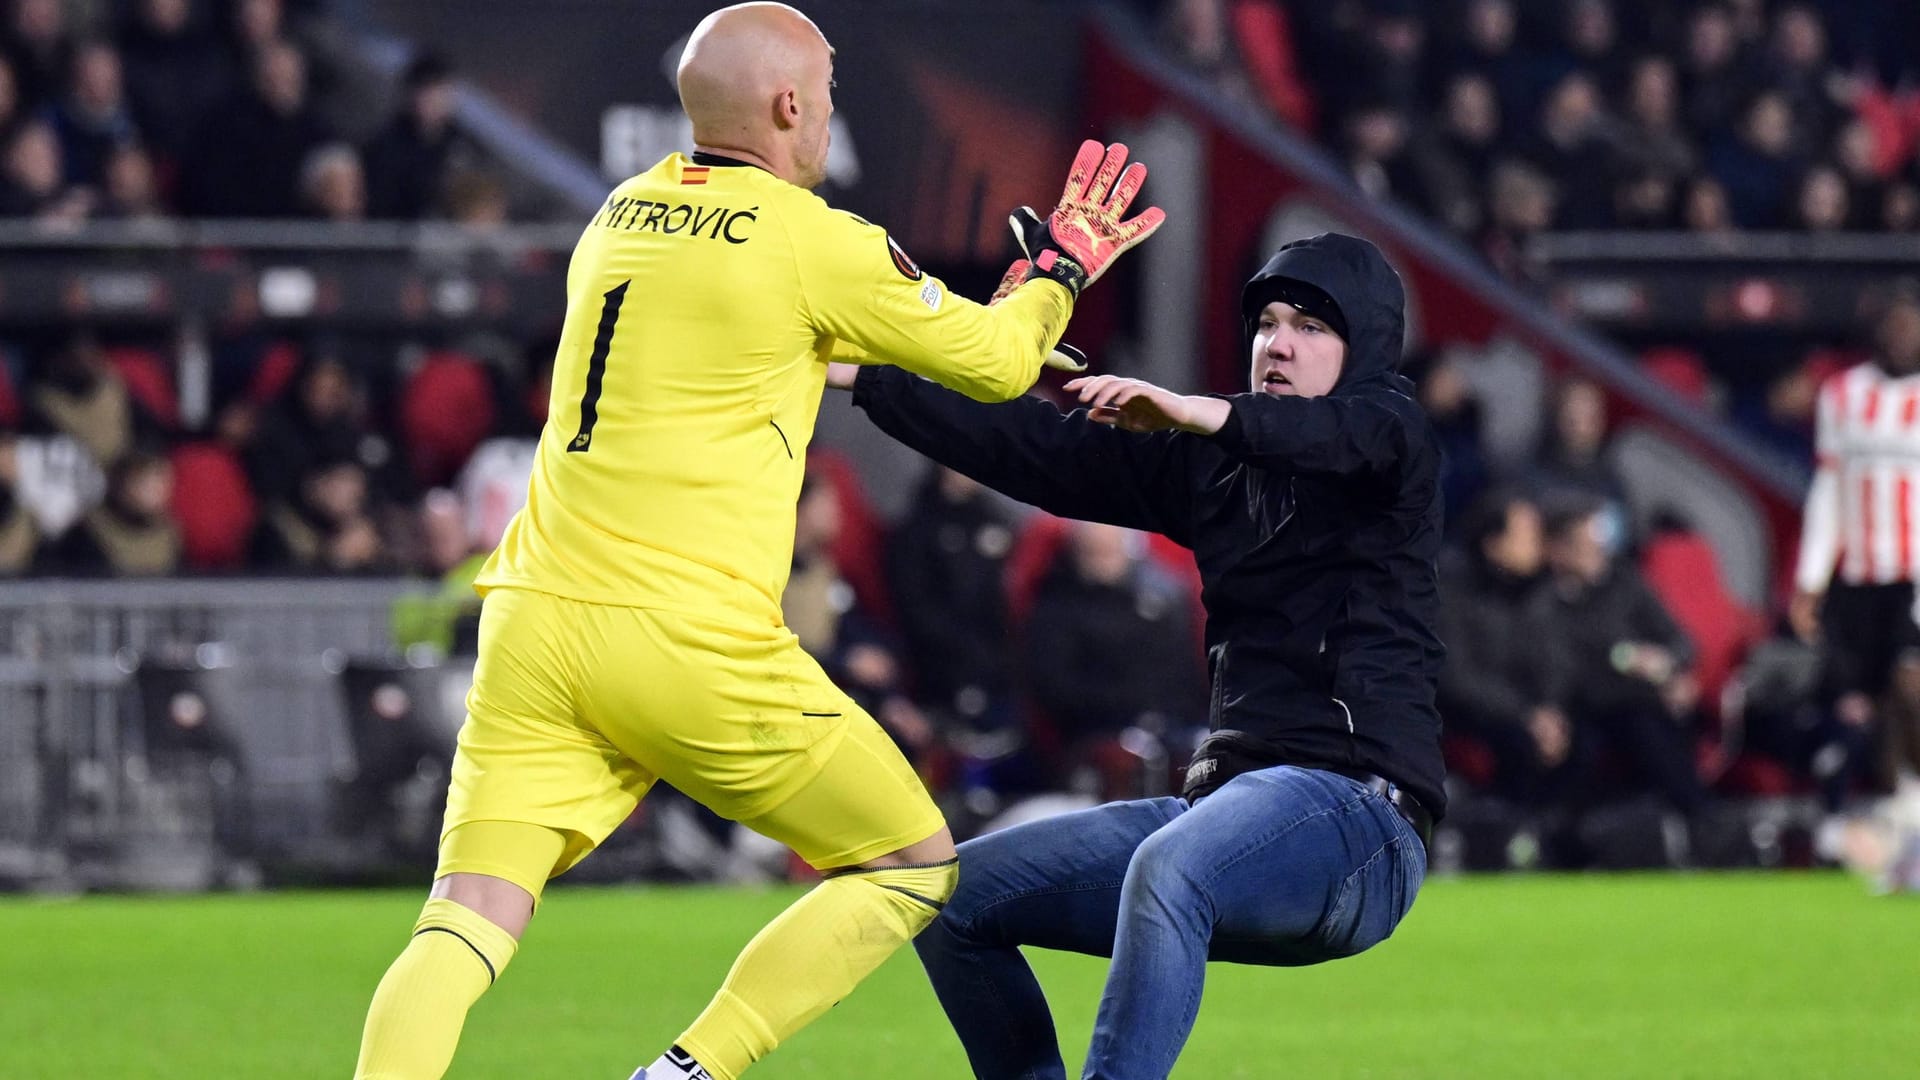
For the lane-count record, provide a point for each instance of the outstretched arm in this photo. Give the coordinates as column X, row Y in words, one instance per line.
column 1362, row 432
column 1064, row 463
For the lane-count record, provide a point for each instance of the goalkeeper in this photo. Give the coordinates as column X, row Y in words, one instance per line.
column 1313, row 509
column 631, row 628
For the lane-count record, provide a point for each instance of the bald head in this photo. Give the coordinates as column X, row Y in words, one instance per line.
column 756, row 80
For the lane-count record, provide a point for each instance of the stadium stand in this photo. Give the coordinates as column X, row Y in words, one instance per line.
column 300, row 434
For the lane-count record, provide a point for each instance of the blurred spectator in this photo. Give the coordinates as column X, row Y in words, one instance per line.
column 1651, row 136
column 1715, row 74
column 1855, row 153
column 176, row 74
column 332, row 185
column 1631, row 692
column 1757, row 165
column 35, row 43
column 1823, row 204
column 1489, row 48
column 1110, row 645
column 1393, row 55
column 493, row 487
column 131, row 194
column 92, row 119
column 1572, row 454
column 251, row 150
column 1646, row 200
column 1504, row 678
column 1705, row 208
column 447, row 620
column 32, row 185
column 476, row 200
column 1471, row 123
column 81, row 395
column 132, row 533
column 18, row 538
column 1522, row 204
column 326, row 528
column 409, row 163
column 1590, row 40
column 820, row 607
column 1377, row 154
column 946, row 564
column 1454, row 413
column 319, row 418
column 1900, row 207
column 1461, row 154
column 1571, row 146
column 1799, row 69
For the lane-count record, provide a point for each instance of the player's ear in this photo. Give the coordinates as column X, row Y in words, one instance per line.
column 786, row 109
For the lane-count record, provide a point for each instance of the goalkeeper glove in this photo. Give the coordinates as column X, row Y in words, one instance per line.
column 1064, row 357
column 1076, row 243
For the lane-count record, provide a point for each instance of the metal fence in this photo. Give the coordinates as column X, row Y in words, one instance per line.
column 85, row 799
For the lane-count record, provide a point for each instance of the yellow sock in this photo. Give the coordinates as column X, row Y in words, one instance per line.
column 422, row 1002
column 803, row 962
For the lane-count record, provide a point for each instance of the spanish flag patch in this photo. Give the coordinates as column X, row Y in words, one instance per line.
column 693, row 176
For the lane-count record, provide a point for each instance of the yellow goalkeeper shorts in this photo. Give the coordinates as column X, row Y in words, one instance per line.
column 576, row 709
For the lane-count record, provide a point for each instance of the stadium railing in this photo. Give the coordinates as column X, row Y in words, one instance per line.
column 93, row 790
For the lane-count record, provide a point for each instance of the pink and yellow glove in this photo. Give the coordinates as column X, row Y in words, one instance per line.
column 1076, row 243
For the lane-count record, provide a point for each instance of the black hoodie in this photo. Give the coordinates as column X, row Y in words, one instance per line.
column 1315, row 523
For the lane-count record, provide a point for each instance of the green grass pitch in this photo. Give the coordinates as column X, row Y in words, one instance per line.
column 1672, row 976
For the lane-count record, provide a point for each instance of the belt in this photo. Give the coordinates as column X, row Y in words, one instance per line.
column 1399, row 798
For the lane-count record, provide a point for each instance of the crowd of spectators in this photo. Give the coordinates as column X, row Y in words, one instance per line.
column 318, row 460
column 1007, row 654
column 1501, row 119
column 162, row 109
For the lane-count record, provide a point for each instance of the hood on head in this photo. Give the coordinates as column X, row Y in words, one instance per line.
column 1355, row 278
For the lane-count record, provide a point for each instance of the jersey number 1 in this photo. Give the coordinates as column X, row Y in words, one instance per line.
column 597, row 368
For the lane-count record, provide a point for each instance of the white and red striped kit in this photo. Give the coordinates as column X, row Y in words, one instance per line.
column 1863, row 510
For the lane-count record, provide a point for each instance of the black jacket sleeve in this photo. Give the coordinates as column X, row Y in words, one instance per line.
column 1344, row 434
column 1063, row 463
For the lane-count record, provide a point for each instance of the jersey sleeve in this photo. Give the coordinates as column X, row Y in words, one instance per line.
column 859, row 286
column 1820, row 520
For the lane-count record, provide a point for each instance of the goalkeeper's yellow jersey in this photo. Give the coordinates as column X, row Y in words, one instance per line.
column 703, row 303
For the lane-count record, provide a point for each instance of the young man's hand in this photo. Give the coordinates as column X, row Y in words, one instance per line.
column 1136, row 405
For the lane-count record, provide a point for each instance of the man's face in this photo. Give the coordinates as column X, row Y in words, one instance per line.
column 1900, row 336
column 1582, row 552
column 811, row 140
column 1520, row 547
column 149, row 491
column 1295, row 354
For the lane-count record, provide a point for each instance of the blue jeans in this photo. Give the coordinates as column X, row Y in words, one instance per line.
column 1284, row 866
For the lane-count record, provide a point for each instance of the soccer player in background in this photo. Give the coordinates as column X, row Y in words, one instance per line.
column 1859, row 568
column 631, row 628
column 1312, row 505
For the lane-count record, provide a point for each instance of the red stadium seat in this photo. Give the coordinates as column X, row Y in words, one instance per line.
column 9, row 397
column 446, row 409
column 1682, row 570
column 278, row 364
column 1469, row 759
column 213, row 504
column 1679, row 370
column 1033, row 554
column 1266, row 42
column 149, row 382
